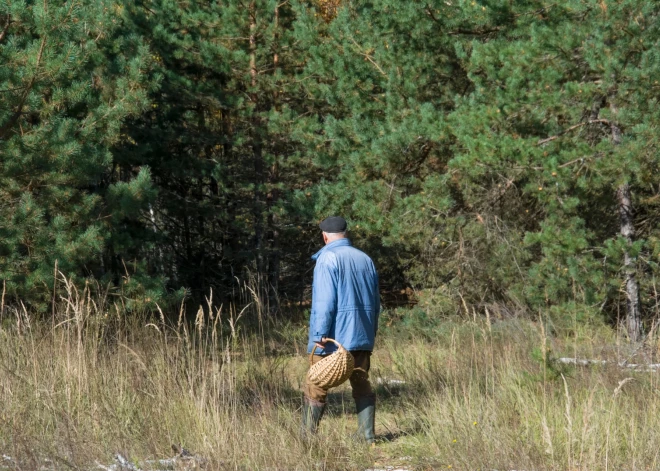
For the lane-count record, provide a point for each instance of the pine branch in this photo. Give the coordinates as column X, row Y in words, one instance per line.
column 536, row 12
column 19, row 111
column 575, row 126
column 368, row 57
column 11, row 89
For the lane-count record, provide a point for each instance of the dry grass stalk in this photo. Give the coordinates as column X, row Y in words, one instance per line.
column 470, row 394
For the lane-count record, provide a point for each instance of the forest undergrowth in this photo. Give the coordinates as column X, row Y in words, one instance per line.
column 454, row 393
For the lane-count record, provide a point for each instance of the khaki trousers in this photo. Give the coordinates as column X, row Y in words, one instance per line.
column 359, row 379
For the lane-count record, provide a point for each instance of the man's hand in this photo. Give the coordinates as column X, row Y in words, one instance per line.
column 321, row 344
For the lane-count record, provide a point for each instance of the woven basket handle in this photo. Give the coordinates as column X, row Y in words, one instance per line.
column 311, row 355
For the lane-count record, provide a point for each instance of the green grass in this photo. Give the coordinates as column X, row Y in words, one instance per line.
column 89, row 383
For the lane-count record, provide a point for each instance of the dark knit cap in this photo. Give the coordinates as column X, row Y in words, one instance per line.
column 333, row 224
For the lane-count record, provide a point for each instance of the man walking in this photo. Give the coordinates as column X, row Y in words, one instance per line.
column 345, row 307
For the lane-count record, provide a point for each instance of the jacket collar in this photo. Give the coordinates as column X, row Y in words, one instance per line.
column 336, row 243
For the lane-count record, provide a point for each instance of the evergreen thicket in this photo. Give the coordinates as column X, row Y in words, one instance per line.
column 70, row 74
column 488, row 155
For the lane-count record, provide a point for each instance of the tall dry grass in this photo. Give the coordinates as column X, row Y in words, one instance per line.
column 92, row 381
column 496, row 399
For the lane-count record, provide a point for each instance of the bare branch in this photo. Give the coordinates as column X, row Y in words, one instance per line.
column 477, row 32
column 368, row 57
column 575, row 126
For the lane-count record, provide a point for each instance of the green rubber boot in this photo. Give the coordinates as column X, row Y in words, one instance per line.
column 311, row 416
column 366, row 413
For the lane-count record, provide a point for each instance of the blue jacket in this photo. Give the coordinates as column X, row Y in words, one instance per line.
column 345, row 298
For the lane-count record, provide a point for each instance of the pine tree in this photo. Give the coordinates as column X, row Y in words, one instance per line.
column 217, row 142
column 388, row 73
column 67, row 81
column 496, row 149
column 560, row 115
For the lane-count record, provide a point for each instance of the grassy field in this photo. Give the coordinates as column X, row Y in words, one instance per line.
column 471, row 394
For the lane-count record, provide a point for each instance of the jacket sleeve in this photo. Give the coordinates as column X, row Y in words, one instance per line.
column 324, row 299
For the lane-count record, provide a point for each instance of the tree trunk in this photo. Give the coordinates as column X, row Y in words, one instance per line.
column 633, row 311
column 7, row 23
column 271, row 201
column 230, row 233
column 257, row 155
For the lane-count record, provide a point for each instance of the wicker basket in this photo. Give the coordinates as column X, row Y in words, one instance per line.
column 332, row 370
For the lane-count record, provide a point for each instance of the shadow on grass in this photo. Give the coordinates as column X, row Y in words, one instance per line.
column 395, row 435
column 341, row 402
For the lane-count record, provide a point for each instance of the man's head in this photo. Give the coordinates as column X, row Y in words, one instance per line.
column 334, row 228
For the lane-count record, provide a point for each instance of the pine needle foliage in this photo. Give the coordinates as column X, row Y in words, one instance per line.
column 486, row 153
column 69, row 78
column 483, row 148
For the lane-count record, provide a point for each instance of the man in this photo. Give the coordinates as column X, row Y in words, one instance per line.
column 345, row 307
